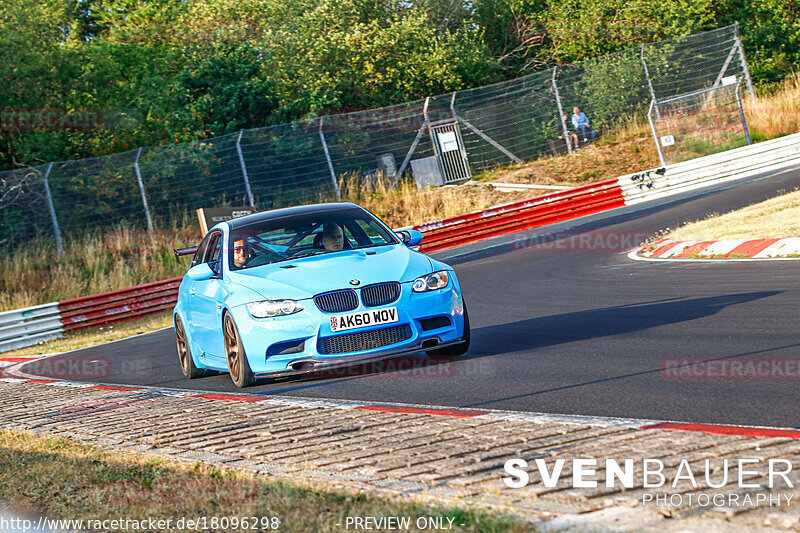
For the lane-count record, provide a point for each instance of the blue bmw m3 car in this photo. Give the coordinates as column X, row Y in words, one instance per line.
column 310, row 288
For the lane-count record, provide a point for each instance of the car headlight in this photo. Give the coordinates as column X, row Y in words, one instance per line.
column 431, row 282
column 270, row 308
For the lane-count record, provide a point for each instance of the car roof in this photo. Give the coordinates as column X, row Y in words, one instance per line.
column 275, row 214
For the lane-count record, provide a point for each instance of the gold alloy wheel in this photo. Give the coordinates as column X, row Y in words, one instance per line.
column 183, row 348
column 232, row 348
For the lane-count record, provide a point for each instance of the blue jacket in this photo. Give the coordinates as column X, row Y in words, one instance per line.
column 580, row 120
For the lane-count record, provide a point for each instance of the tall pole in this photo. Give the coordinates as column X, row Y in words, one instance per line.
column 744, row 62
column 561, row 113
column 420, row 132
column 142, row 191
column 328, row 159
column 734, row 49
column 655, row 135
column 59, row 242
column 741, row 116
column 647, row 76
column 244, row 169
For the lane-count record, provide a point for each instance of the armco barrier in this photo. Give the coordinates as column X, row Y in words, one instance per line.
column 711, row 170
column 522, row 215
column 24, row 327
column 115, row 306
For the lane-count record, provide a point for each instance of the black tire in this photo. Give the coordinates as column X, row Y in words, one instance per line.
column 238, row 367
column 185, row 354
column 455, row 350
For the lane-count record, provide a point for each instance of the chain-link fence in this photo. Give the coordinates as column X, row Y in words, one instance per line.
column 301, row 162
column 699, row 123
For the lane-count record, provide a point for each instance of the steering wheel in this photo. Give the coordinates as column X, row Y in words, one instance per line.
column 262, row 255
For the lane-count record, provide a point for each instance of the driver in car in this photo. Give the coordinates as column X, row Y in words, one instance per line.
column 241, row 253
column 332, row 237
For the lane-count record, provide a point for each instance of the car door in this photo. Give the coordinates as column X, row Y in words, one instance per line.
column 205, row 310
column 187, row 294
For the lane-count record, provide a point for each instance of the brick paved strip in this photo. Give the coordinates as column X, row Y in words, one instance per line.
column 443, row 455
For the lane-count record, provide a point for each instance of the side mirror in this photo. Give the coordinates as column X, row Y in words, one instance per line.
column 410, row 237
column 201, row 272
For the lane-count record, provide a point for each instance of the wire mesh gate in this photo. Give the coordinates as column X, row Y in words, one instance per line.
column 699, row 123
column 448, row 146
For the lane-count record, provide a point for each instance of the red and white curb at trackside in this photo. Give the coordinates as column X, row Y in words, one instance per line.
column 449, row 412
column 6, row 362
column 729, row 250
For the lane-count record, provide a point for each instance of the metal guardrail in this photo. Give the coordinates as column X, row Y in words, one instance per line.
column 522, row 215
column 32, row 325
column 25, row 327
column 710, row 170
column 116, row 306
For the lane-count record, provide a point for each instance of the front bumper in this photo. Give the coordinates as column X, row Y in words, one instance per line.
column 307, row 366
column 302, row 331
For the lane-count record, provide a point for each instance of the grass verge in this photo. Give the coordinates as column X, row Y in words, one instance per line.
column 777, row 217
column 57, row 478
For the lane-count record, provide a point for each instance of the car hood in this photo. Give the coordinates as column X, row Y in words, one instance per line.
column 312, row 275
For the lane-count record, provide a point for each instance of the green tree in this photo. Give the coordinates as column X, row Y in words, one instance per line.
column 583, row 29
column 770, row 31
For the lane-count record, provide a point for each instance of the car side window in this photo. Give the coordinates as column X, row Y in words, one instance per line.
column 201, row 250
column 213, row 253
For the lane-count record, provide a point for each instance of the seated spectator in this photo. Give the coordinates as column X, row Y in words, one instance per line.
column 581, row 124
column 573, row 137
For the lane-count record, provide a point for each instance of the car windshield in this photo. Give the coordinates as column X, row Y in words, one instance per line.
column 272, row 241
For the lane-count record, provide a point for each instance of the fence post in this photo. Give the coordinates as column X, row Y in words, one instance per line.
column 399, row 173
column 655, row 134
column 741, row 115
column 59, row 242
column 734, row 49
column 647, row 73
column 649, row 81
column 561, row 113
column 328, row 159
column 244, row 169
column 744, row 62
column 142, row 191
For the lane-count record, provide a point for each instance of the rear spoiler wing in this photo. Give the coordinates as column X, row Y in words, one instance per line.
column 185, row 251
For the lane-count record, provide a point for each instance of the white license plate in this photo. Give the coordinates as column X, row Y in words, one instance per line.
column 363, row 319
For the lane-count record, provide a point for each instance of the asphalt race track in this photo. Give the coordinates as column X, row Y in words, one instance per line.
column 574, row 327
